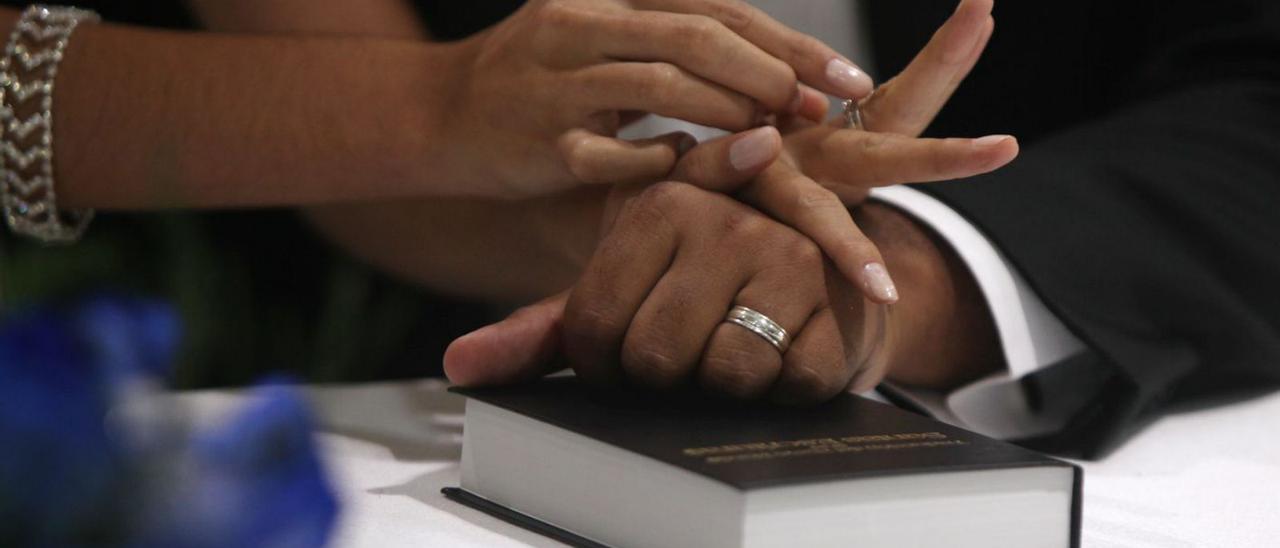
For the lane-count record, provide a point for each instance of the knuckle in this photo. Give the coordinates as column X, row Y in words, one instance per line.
column 660, row 83
column 813, row 197
column 665, row 195
column 873, row 143
column 741, row 222
column 558, row 13
column 735, row 15
column 806, row 49
column 811, row 382
column 649, row 363
column 700, row 30
column 863, row 250
column 579, row 161
column 736, row 372
column 802, row 251
column 592, row 326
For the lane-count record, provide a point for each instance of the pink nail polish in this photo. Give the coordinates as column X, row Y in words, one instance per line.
column 852, row 83
column 876, row 280
column 991, row 140
column 754, row 149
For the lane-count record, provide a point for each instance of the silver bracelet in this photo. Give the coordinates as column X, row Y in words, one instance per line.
column 27, row 74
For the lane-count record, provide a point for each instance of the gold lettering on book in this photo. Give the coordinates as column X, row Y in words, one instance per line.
column 768, row 450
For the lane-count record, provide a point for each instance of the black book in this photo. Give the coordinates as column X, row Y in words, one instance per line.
column 623, row 468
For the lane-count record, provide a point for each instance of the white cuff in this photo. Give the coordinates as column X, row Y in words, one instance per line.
column 1031, row 337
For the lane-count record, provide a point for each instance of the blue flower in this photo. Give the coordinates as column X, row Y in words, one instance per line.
column 88, row 456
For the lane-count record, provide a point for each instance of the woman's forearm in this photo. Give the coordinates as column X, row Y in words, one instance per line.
column 373, row 18
column 493, row 250
column 150, row 119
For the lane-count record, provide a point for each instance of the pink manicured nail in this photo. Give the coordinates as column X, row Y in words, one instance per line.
column 754, row 149
column 852, row 83
column 991, row 140
column 876, row 280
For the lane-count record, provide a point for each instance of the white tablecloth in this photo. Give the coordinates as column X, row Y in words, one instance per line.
column 1203, row 478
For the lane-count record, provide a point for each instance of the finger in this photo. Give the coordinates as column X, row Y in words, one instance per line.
column 628, row 263
column 595, row 159
column 666, row 90
column 909, row 102
column 740, row 363
column 814, row 62
column 520, row 348
column 702, row 46
column 815, row 105
column 815, row 369
column 863, row 159
column 726, row 163
column 669, row 333
column 801, row 203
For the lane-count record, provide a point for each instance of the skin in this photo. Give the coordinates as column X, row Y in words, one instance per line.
column 148, row 119
column 820, row 169
column 714, row 233
column 649, row 309
column 713, row 236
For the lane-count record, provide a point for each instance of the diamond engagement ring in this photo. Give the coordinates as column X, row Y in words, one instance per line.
column 853, row 115
column 761, row 325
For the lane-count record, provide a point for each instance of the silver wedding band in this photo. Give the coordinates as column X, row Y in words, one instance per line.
column 853, row 115
column 761, row 325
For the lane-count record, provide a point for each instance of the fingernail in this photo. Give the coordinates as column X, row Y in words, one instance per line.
column 853, row 83
column 797, row 101
column 687, row 142
column 754, row 149
column 876, row 280
column 991, row 141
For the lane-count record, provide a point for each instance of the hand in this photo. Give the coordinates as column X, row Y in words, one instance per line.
column 826, row 168
column 939, row 336
column 543, row 94
column 651, row 305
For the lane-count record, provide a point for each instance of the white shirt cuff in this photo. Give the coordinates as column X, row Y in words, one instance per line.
column 1031, row 337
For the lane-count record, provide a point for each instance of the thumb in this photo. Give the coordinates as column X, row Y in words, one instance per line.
column 519, row 348
column 727, row 163
column 598, row 160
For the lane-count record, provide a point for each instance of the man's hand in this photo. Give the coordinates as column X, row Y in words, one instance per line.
column 826, row 168
column 651, row 307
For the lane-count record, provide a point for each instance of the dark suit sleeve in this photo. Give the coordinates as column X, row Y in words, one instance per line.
column 1154, row 233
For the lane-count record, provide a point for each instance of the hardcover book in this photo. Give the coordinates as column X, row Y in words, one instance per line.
column 625, row 468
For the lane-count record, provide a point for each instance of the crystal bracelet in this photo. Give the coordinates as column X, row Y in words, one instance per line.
column 27, row 73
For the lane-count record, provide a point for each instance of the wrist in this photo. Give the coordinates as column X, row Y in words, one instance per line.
column 941, row 334
column 423, row 144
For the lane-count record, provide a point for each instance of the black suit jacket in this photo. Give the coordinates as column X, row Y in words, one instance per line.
column 1145, row 208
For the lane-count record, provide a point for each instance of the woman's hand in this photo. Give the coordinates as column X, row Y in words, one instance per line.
column 826, row 168
column 651, row 305
column 543, row 94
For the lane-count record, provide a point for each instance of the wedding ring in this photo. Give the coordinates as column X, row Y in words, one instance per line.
column 853, row 115
column 761, row 325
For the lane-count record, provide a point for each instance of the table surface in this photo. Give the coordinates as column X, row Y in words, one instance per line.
column 1208, row 477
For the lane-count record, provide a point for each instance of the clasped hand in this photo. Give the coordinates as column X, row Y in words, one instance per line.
column 650, row 306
